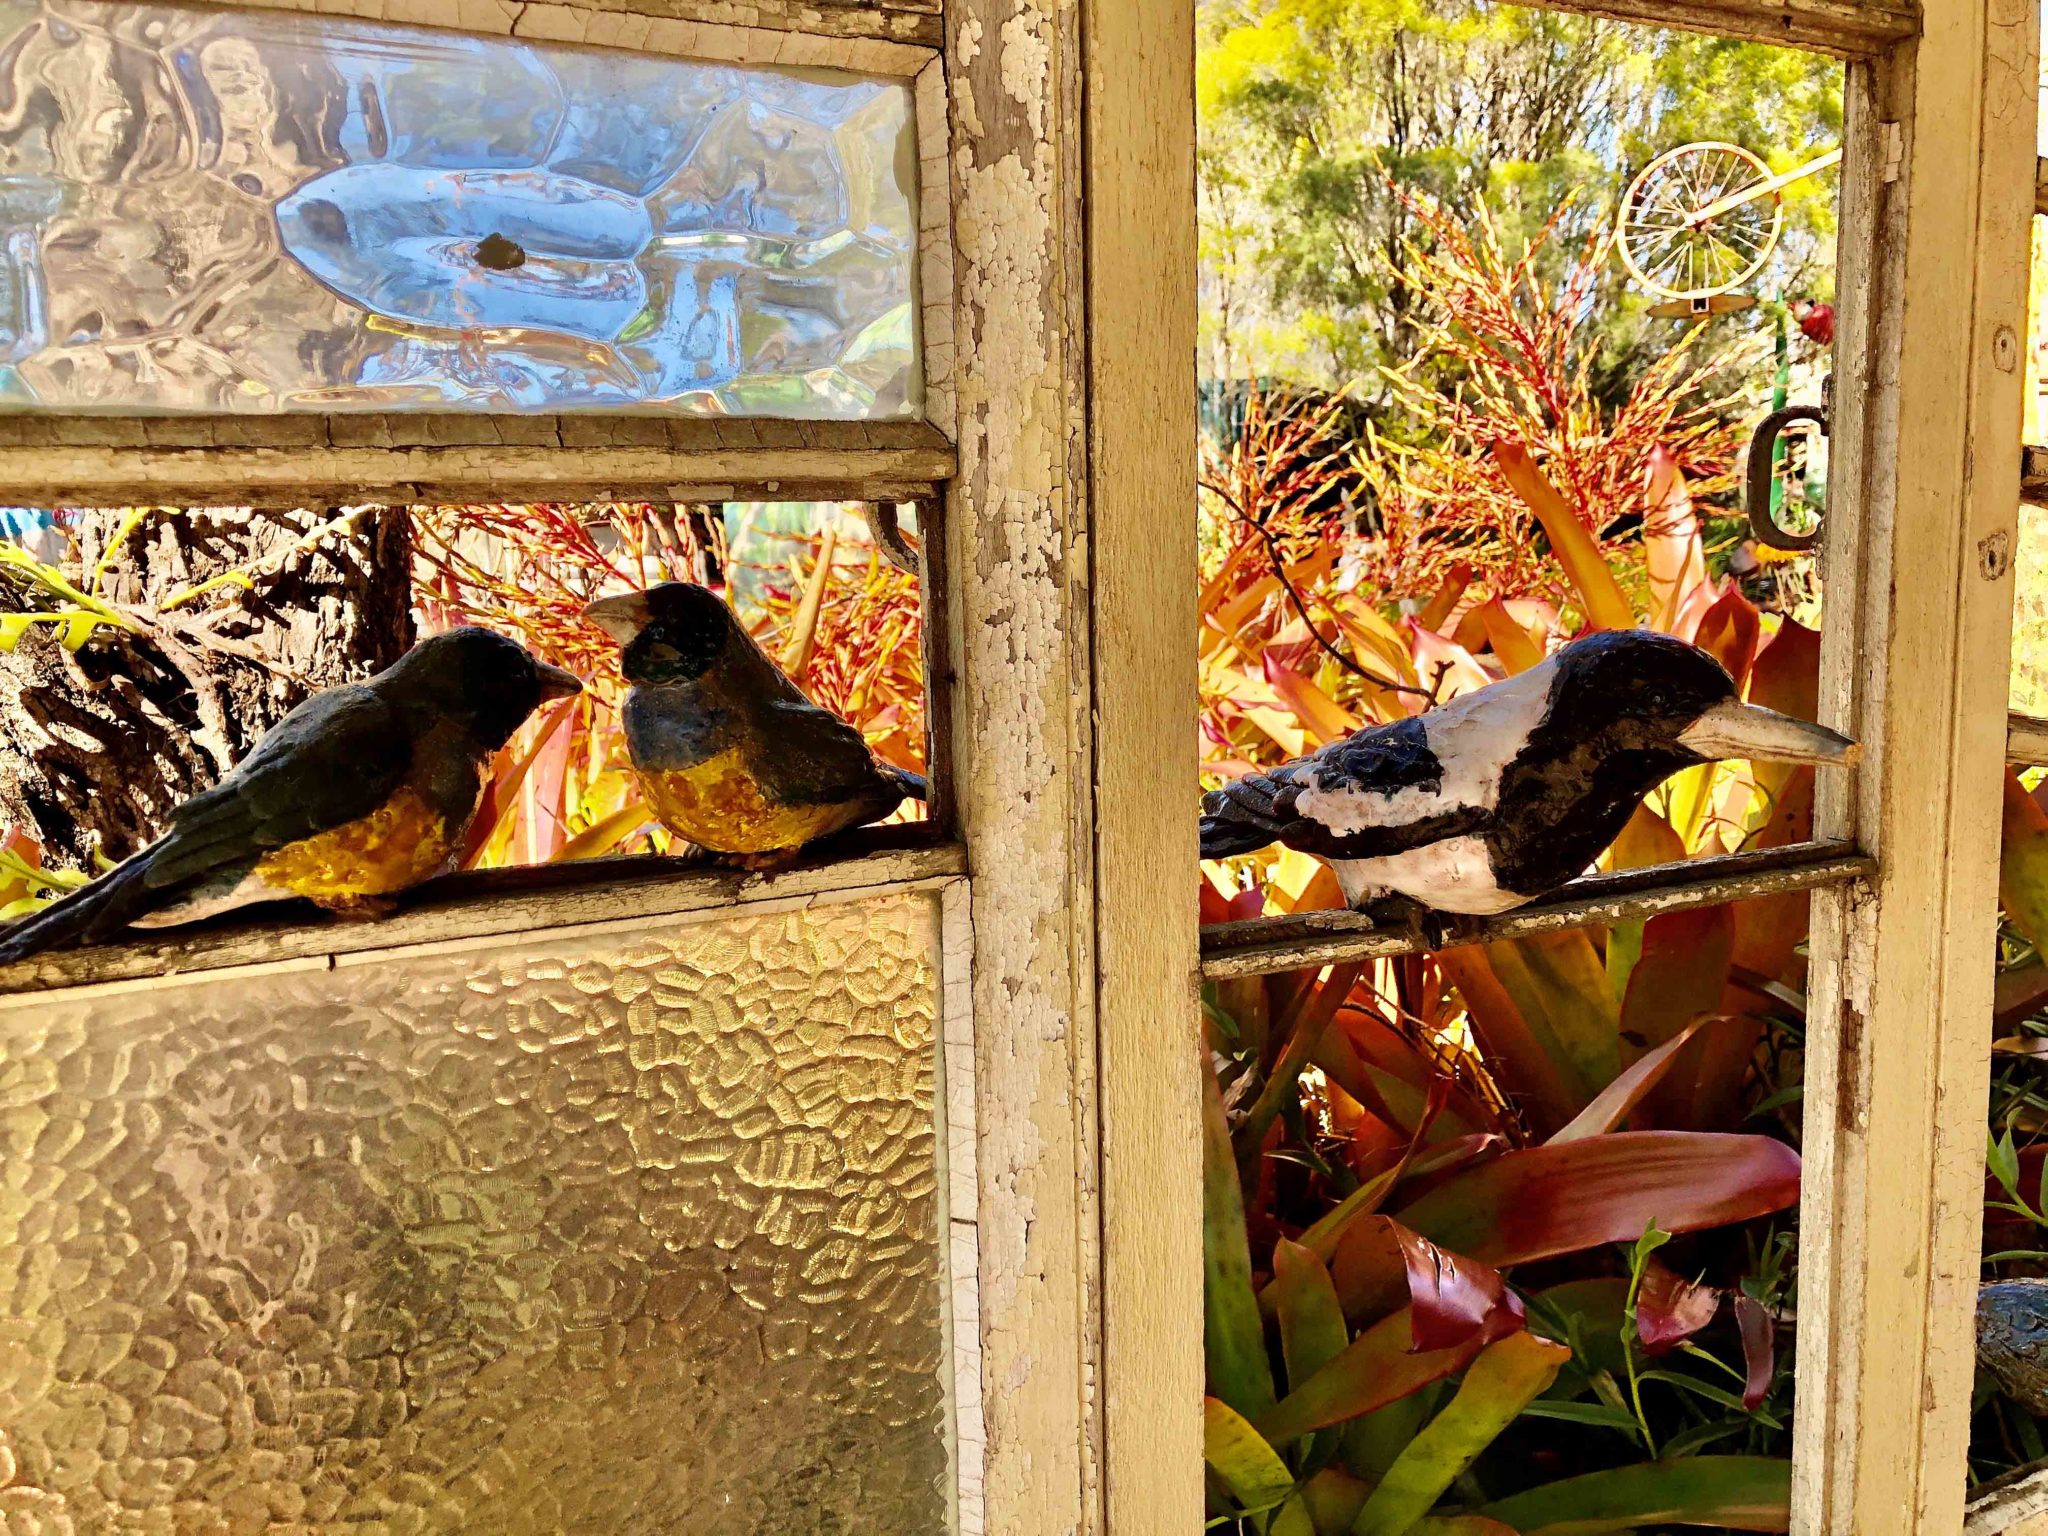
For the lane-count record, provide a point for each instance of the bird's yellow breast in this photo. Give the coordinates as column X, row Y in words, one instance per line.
column 395, row 847
column 720, row 805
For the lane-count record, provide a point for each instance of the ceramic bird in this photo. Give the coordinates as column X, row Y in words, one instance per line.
column 2012, row 1339
column 357, row 794
column 1509, row 791
column 728, row 751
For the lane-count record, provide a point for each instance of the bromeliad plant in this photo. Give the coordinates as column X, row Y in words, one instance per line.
column 1491, row 1231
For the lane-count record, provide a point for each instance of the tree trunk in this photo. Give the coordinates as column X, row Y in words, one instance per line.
column 97, row 747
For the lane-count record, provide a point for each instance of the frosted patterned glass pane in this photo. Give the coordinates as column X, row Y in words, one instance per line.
column 259, row 212
column 634, row 1233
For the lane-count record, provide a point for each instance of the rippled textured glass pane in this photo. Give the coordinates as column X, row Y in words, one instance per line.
column 257, row 212
column 620, row 1234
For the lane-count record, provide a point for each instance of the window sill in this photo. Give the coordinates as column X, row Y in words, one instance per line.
column 1264, row 945
column 483, row 903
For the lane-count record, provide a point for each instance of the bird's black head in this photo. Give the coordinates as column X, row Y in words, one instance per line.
column 672, row 633
column 1648, row 693
column 478, row 680
column 1639, row 689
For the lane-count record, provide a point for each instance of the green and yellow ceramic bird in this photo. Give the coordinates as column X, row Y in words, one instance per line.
column 359, row 793
column 728, row 751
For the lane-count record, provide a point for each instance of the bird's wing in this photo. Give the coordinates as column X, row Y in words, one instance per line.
column 1369, row 796
column 335, row 758
column 811, row 756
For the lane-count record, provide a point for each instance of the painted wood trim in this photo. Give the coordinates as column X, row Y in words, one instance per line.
column 1017, row 622
column 1849, row 28
column 2013, row 1505
column 1140, row 177
column 1933, row 271
column 489, row 903
column 824, row 461
column 1261, row 946
column 882, row 37
column 2026, row 740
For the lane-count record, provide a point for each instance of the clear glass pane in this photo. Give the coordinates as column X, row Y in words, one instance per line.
column 630, row 1231
column 260, row 212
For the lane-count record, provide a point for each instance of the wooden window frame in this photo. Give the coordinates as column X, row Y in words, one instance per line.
column 1937, row 189
column 1062, row 137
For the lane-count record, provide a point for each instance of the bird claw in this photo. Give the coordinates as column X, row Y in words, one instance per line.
column 1405, row 913
column 360, row 909
column 771, row 863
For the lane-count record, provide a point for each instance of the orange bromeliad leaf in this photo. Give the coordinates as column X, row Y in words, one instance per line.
column 1322, row 717
column 1728, row 632
column 1574, row 547
column 1514, row 647
column 2023, row 862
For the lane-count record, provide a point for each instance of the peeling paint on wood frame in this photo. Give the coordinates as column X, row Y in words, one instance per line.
column 879, row 36
column 1018, row 618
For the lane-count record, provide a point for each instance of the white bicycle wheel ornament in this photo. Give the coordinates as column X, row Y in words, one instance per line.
column 1702, row 219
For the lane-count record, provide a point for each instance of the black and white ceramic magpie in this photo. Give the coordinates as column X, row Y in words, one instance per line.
column 1510, row 791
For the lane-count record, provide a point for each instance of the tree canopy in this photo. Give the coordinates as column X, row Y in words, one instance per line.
column 1316, row 114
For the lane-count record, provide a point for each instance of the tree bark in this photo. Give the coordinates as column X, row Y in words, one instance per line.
column 97, row 747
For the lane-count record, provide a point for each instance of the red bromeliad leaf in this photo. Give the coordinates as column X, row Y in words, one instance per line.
column 1380, row 1264
column 1539, row 1202
column 1678, row 978
column 1378, row 1368
column 1670, row 1309
column 1759, row 1349
column 1770, row 929
column 1618, row 1098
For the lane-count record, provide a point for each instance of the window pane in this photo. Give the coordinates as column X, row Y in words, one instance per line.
column 256, row 212
column 635, row 1230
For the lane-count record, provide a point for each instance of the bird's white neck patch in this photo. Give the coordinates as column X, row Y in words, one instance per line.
column 1473, row 738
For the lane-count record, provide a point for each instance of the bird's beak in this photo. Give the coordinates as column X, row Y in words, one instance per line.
column 1735, row 729
column 555, row 683
column 621, row 617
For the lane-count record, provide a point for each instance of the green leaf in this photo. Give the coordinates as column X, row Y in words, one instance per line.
column 1744, row 1493
column 1256, row 1476
column 1500, row 1383
column 1234, row 1336
column 1559, row 985
column 2003, row 1159
column 1378, row 1368
column 1312, row 1328
column 1601, row 1414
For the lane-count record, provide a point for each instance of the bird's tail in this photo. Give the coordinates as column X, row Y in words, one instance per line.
column 90, row 914
column 913, row 785
column 1225, row 838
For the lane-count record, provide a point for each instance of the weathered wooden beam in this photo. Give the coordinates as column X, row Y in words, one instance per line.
column 483, row 903
column 1264, row 945
column 884, row 37
column 1139, row 141
column 1937, row 204
column 1848, row 28
column 2013, row 1505
column 291, row 461
column 2026, row 740
column 2034, row 475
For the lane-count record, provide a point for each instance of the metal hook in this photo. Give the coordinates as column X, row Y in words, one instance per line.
column 1762, row 442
